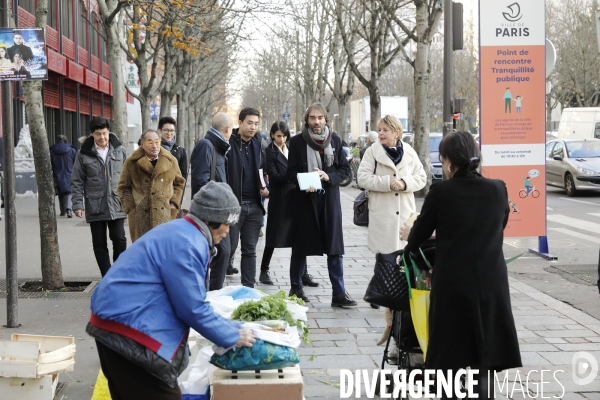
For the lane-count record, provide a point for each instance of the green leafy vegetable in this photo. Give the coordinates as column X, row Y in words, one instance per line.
column 271, row 307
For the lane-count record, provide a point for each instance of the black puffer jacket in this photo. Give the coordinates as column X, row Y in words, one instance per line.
column 143, row 356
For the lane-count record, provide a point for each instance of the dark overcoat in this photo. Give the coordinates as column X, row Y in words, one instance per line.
column 62, row 157
column 470, row 319
column 310, row 237
column 281, row 200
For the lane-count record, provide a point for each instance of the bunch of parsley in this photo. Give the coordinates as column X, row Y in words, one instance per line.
column 271, row 307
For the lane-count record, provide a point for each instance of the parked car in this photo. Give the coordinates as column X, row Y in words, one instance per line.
column 434, row 146
column 573, row 164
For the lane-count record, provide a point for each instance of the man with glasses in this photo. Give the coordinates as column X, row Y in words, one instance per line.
column 94, row 180
column 167, row 127
column 150, row 187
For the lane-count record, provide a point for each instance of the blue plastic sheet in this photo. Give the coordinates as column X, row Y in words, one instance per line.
column 261, row 356
column 245, row 293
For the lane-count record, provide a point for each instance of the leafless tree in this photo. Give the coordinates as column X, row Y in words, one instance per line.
column 576, row 77
column 370, row 21
column 418, row 26
column 34, row 108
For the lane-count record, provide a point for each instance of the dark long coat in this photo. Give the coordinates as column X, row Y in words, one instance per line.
column 470, row 319
column 62, row 157
column 281, row 200
column 311, row 238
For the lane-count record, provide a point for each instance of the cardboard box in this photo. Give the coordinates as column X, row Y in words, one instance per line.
column 33, row 356
column 263, row 385
column 42, row 388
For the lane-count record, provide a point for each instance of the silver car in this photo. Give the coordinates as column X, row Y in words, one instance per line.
column 435, row 138
column 573, row 164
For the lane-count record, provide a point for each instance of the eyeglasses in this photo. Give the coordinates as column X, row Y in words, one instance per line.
column 152, row 142
column 168, row 130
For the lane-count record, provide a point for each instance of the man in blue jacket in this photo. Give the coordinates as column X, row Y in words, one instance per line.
column 211, row 150
column 143, row 308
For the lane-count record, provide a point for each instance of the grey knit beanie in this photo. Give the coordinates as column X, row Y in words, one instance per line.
column 215, row 202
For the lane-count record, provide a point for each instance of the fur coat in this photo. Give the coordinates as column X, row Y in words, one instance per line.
column 146, row 192
column 389, row 209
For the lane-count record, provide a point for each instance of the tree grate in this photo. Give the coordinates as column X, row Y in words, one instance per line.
column 87, row 293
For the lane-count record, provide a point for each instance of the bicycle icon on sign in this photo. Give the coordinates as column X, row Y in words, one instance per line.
column 533, row 193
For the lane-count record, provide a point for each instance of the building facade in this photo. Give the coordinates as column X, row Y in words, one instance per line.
column 78, row 86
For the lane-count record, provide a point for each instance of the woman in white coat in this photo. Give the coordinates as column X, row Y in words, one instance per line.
column 391, row 171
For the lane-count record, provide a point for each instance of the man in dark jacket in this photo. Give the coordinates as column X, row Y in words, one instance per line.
column 94, row 181
column 214, row 146
column 167, row 127
column 62, row 157
column 244, row 163
column 19, row 47
column 318, row 215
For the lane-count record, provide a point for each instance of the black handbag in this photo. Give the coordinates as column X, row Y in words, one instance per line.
column 361, row 206
column 361, row 209
column 389, row 287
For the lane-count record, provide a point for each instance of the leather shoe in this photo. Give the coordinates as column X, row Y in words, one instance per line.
column 265, row 278
column 231, row 271
column 299, row 294
column 69, row 214
column 375, row 306
column 307, row 280
column 342, row 300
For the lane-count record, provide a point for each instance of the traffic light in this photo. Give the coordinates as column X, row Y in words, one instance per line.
column 457, row 26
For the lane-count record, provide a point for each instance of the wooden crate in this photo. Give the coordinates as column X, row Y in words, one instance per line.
column 33, row 356
column 263, row 385
column 42, row 388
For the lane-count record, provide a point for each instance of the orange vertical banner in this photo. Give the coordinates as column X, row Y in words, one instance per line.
column 513, row 107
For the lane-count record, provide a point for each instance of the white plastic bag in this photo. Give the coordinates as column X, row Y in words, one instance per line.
column 297, row 311
column 194, row 380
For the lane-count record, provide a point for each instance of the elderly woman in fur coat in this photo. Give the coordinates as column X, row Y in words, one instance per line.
column 150, row 187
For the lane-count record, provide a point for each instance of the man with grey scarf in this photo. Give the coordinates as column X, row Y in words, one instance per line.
column 317, row 215
column 167, row 127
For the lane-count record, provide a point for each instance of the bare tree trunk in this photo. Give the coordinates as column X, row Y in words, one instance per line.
column 421, row 81
column 343, row 111
column 115, row 61
column 50, row 254
column 375, row 102
column 182, row 122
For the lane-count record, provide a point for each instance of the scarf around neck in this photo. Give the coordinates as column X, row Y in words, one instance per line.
column 395, row 153
column 313, row 147
column 168, row 145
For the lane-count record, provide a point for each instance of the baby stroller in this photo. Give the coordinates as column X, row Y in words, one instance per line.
column 404, row 352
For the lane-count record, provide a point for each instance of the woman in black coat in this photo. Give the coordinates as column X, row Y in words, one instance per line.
column 470, row 319
column 281, row 199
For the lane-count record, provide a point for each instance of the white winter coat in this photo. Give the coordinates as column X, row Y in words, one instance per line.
column 388, row 209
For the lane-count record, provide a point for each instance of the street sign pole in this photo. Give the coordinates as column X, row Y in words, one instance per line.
column 12, row 287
